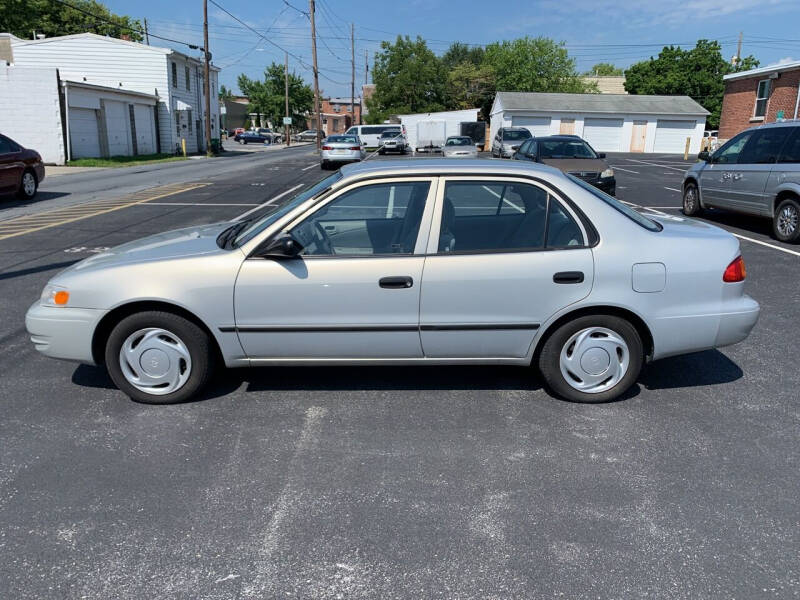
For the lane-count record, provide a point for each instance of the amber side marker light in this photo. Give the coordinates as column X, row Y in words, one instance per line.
column 735, row 272
column 61, row 297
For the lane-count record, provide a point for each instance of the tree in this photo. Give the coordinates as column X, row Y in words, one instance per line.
column 225, row 93
column 23, row 17
column 696, row 73
column 408, row 78
column 533, row 65
column 459, row 53
column 267, row 97
column 471, row 86
column 603, row 69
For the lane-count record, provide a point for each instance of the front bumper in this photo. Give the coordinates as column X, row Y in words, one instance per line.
column 607, row 184
column 63, row 332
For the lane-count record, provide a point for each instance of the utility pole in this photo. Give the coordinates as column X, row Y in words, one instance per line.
column 352, row 74
column 146, row 35
column 316, row 72
column 287, row 129
column 739, row 50
column 366, row 68
column 207, row 56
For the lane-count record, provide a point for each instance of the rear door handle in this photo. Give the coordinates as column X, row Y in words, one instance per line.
column 396, row 283
column 737, row 176
column 568, row 277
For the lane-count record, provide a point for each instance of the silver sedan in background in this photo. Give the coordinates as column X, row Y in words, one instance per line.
column 341, row 149
column 459, row 146
column 415, row 262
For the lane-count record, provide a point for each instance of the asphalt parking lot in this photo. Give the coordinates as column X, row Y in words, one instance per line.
column 457, row 482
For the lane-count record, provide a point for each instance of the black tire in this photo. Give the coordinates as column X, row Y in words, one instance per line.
column 195, row 339
column 242, row 142
column 691, row 200
column 786, row 222
column 323, row 165
column 550, row 355
column 25, row 191
column 381, row 152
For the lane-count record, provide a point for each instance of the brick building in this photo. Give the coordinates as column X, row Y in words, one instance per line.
column 762, row 95
column 336, row 115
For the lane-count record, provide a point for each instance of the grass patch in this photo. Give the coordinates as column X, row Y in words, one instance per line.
column 124, row 161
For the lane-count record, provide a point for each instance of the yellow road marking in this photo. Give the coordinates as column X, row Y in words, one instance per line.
column 69, row 214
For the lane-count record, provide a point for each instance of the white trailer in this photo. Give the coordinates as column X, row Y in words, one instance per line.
column 432, row 129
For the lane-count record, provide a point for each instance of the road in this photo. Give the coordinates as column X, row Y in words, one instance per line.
column 456, row 482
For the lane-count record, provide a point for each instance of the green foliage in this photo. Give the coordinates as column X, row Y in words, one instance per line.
column 471, row 86
column 23, row 17
column 603, row 69
column 267, row 97
column 533, row 65
column 696, row 73
column 225, row 93
column 409, row 78
column 459, row 53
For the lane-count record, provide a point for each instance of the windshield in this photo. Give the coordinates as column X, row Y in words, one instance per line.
column 564, row 149
column 633, row 215
column 267, row 220
column 459, row 141
column 391, row 133
column 346, row 139
column 516, row 135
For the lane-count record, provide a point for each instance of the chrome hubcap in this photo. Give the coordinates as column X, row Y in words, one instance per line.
column 689, row 199
column 155, row 361
column 787, row 220
column 28, row 184
column 594, row 360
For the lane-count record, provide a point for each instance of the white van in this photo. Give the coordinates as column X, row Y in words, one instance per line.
column 369, row 134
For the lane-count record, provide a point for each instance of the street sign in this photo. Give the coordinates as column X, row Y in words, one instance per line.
column 287, row 120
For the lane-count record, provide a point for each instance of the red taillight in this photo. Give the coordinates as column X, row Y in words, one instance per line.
column 327, row 147
column 735, row 271
column 355, row 147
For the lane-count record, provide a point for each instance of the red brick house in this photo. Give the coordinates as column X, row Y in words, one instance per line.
column 762, row 95
column 336, row 115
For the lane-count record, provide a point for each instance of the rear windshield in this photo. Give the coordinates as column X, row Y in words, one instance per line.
column 626, row 210
column 348, row 139
column 516, row 135
column 459, row 141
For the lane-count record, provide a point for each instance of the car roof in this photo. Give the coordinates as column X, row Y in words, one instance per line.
column 516, row 128
column 790, row 123
column 437, row 166
column 563, row 138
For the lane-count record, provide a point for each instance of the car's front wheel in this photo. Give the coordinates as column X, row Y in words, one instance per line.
column 691, row 200
column 592, row 359
column 159, row 357
column 28, row 185
column 786, row 222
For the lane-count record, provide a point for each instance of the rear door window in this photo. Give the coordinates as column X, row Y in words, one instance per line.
column 764, row 146
column 791, row 151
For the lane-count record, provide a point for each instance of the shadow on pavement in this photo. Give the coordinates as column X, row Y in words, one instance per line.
column 762, row 225
column 11, row 201
column 39, row 269
column 710, row 367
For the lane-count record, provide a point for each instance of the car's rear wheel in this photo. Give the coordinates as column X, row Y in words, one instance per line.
column 28, row 185
column 159, row 357
column 691, row 200
column 592, row 359
column 786, row 222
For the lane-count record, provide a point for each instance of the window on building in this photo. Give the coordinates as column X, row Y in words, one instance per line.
column 189, row 119
column 174, row 75
column 337, row 108
column 188, row 78
column 762, row 96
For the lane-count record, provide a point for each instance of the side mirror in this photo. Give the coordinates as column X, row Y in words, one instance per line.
column 283, row 246
column 516, row 147
column 601, row 155
column 704, row 155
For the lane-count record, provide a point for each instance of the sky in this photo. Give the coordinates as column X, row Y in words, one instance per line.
column 621, row 32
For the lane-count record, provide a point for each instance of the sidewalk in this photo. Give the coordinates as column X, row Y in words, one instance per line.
column 55, row 171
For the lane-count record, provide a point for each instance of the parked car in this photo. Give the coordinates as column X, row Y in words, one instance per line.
column 523, row 265
column 507, row 140
column 755, row 173
column 573, row 155
column 238, row 130
column 370, row 134
column 341, row 149
column 309, row 135
column 392, row 140
column 251, row 137
column 274, row 137
column 459, row 146
column 21, row 169
column 710, row 139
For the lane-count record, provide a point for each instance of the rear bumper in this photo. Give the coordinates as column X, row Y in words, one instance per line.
column 64, row 333
column 340, row 157
column 736, row 326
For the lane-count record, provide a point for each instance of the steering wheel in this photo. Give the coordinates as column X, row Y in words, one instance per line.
column 324, row 240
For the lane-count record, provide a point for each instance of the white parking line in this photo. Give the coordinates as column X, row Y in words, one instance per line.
column 652, row 164
column 626, row 170
column 509, row 202
column 200, row 204
column 309, row 167
column 268, row 202
column 671, row 189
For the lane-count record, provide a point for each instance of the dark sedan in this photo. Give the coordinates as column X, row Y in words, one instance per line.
column 21, row 170
column 252, row 137
column 573, row 155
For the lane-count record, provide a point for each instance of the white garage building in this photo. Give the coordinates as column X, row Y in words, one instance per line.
column 609, row 122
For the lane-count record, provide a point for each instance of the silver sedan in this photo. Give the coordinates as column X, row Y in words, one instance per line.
column 341, row 149
column 409, row 263
column 459, row 147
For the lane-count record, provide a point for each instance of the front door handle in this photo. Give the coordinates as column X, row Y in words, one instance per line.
column 396, row 283
column 737, row 176
column 726, row 176
column 568, row 277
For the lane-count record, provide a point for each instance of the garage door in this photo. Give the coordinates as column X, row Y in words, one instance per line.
column 536, row 125
column 145, row 129
column 118, row 128
column 83, row 134
column 671, row 136
column 604, row 135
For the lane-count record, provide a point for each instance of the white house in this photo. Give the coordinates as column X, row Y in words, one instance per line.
column 144, row 76
column 609, row 122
